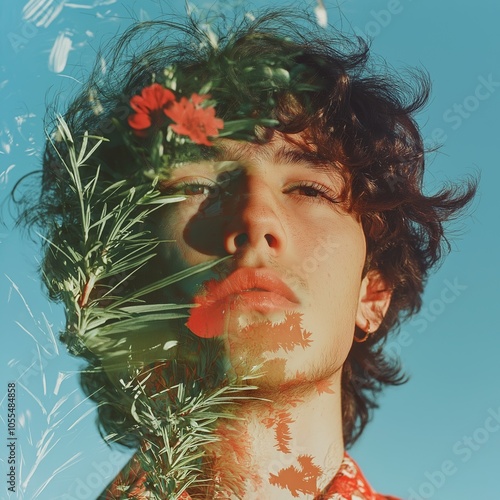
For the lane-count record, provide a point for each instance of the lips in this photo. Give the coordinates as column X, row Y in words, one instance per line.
column 246, row 289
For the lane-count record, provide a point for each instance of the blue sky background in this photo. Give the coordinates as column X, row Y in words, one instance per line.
column 437, row 437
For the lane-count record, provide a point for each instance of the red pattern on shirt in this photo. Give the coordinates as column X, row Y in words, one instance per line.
column 348, row 484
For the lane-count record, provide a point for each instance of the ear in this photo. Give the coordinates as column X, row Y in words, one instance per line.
column 374, row 299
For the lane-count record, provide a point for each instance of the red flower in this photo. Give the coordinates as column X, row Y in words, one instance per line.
column 194, row 121
column 149, row 108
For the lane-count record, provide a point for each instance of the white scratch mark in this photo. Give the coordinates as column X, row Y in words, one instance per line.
column 190, row 8
column 95, row 103
column 31, row 151
column 6, row 145
column 60, row 51
column 27, row 331
column 44, row 380
column 52, row 337
column 4, row 176
column 78, row 6
column 22, row 465
column 44, row 411
column 82, row 401
column 170, row 345
column 32, row 336
column 46, row 444
column 88, row 412
column 53, row 412
column 107, row 13
column 24, row 418
column 3, row 84
column 61, row 468
column 212, row 37
column 22, row 119
column 26, row 370
column 77, row 81
column 29, row 438
column 61, row 377
column 321, row 14
column 16, row 288
column 42, row 451
column 37, row 323
column 42, row 12
column 95, row 3
column 79, row 45
column 103, row 66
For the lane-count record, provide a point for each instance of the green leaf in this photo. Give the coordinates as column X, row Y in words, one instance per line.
column 142, row 309
column 169, row 280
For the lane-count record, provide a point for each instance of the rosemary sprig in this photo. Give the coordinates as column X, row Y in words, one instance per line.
column 176, row 423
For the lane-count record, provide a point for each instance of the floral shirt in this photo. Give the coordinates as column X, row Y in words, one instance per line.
column 348, row 484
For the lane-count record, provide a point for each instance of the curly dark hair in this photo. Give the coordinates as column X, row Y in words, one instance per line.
column 360, row 117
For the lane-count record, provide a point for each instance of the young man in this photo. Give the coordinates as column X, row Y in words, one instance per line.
column 289, row 298
column 316, row 204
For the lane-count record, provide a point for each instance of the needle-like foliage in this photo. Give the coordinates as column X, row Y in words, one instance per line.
column 176, row 401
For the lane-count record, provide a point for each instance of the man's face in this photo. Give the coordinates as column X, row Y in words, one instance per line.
column 288, row 295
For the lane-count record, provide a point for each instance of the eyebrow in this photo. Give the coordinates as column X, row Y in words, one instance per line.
column 308, row 159
column 282, row 155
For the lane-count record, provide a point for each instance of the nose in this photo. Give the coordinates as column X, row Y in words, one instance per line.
column 257, row 222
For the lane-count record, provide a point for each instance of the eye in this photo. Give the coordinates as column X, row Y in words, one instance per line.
column 309, row 189
column 194, row 187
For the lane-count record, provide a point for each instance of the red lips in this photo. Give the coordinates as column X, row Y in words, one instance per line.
column 251, row 289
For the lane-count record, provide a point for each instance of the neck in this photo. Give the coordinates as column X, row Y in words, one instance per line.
column 290, row 444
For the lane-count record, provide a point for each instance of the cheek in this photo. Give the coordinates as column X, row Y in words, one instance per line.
column 331, row 256
column 333, row 269
column 340, row 281
column 177, row 254
column 171, row 227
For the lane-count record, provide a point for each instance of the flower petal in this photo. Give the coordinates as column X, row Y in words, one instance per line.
column 139, row 121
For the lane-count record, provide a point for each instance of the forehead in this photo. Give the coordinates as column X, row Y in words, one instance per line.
column 288, row 150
